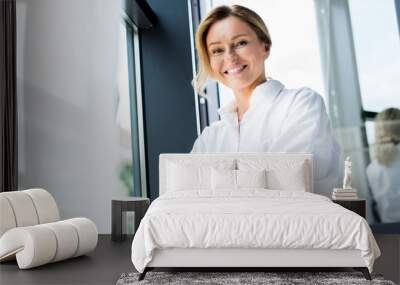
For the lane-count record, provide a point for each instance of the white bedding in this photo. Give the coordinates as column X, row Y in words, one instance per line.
column 251, row 218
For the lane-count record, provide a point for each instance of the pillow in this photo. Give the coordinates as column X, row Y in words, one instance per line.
column 193, row 175
column 223, row 179
column 186, row 177
column 251, row 178
column 291, row 177
column 237, row 179
column 281, row 174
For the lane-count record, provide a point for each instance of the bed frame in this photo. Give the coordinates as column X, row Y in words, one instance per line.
column 248, row 259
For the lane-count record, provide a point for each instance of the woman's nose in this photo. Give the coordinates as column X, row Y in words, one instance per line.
column 231, row 54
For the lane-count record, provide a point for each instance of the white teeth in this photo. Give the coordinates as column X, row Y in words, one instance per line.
column 235, row 70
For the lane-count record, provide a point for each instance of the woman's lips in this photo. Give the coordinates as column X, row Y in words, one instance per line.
column 235, row 70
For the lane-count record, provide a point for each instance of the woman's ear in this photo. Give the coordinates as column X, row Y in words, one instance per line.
column 267, row 49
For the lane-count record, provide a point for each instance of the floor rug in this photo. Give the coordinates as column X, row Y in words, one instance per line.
column 244, row 278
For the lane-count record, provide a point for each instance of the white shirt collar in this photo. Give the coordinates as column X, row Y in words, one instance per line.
column 266, row 92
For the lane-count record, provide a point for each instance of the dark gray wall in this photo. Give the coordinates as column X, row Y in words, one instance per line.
column 168, row 100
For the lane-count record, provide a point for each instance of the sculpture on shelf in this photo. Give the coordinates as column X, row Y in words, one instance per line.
column 347, row 174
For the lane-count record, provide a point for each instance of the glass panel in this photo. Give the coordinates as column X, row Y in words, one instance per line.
column 384, row 170
column 377, row 46
column 137, row 191
column 126, row 117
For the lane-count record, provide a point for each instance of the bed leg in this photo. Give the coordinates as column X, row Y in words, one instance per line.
column 364, row 271
column 143, row 274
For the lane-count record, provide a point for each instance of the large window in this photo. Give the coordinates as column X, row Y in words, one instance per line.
column 128, row 114
column 377, row 45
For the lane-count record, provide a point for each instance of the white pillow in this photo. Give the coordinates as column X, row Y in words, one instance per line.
column 281, row 174
column 237, row 179
column 192, row 175
column 187, row 177
column 251, row 178
column 223, row 179
column 293, row 178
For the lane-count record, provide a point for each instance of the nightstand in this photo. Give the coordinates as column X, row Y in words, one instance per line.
column 358, row 206
column 138, row 205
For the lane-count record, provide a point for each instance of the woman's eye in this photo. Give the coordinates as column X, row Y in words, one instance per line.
column 242, row 43
column 216, row 51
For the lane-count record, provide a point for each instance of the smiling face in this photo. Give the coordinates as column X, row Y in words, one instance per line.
column 236, row 54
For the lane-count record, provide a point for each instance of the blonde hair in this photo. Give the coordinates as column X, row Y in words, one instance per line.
column 217, row 14
column 387, row 135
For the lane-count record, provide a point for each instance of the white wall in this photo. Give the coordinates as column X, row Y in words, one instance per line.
column 68, row 137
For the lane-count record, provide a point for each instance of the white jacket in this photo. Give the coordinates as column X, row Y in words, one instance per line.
column 278, row 120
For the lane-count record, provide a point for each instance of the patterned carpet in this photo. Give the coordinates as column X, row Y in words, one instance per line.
column 243, row 278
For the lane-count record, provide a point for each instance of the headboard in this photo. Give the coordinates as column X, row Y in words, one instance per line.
column 275, row 161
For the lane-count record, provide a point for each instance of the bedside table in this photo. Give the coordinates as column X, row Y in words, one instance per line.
column 358, row 206
column 138, row 205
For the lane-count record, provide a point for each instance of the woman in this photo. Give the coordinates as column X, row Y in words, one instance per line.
column 384, row 173
column 233, row 44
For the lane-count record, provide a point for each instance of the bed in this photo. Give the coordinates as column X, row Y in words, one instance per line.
column 247, row 210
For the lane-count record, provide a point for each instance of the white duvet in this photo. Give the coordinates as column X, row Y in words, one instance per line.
column 252, row 218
